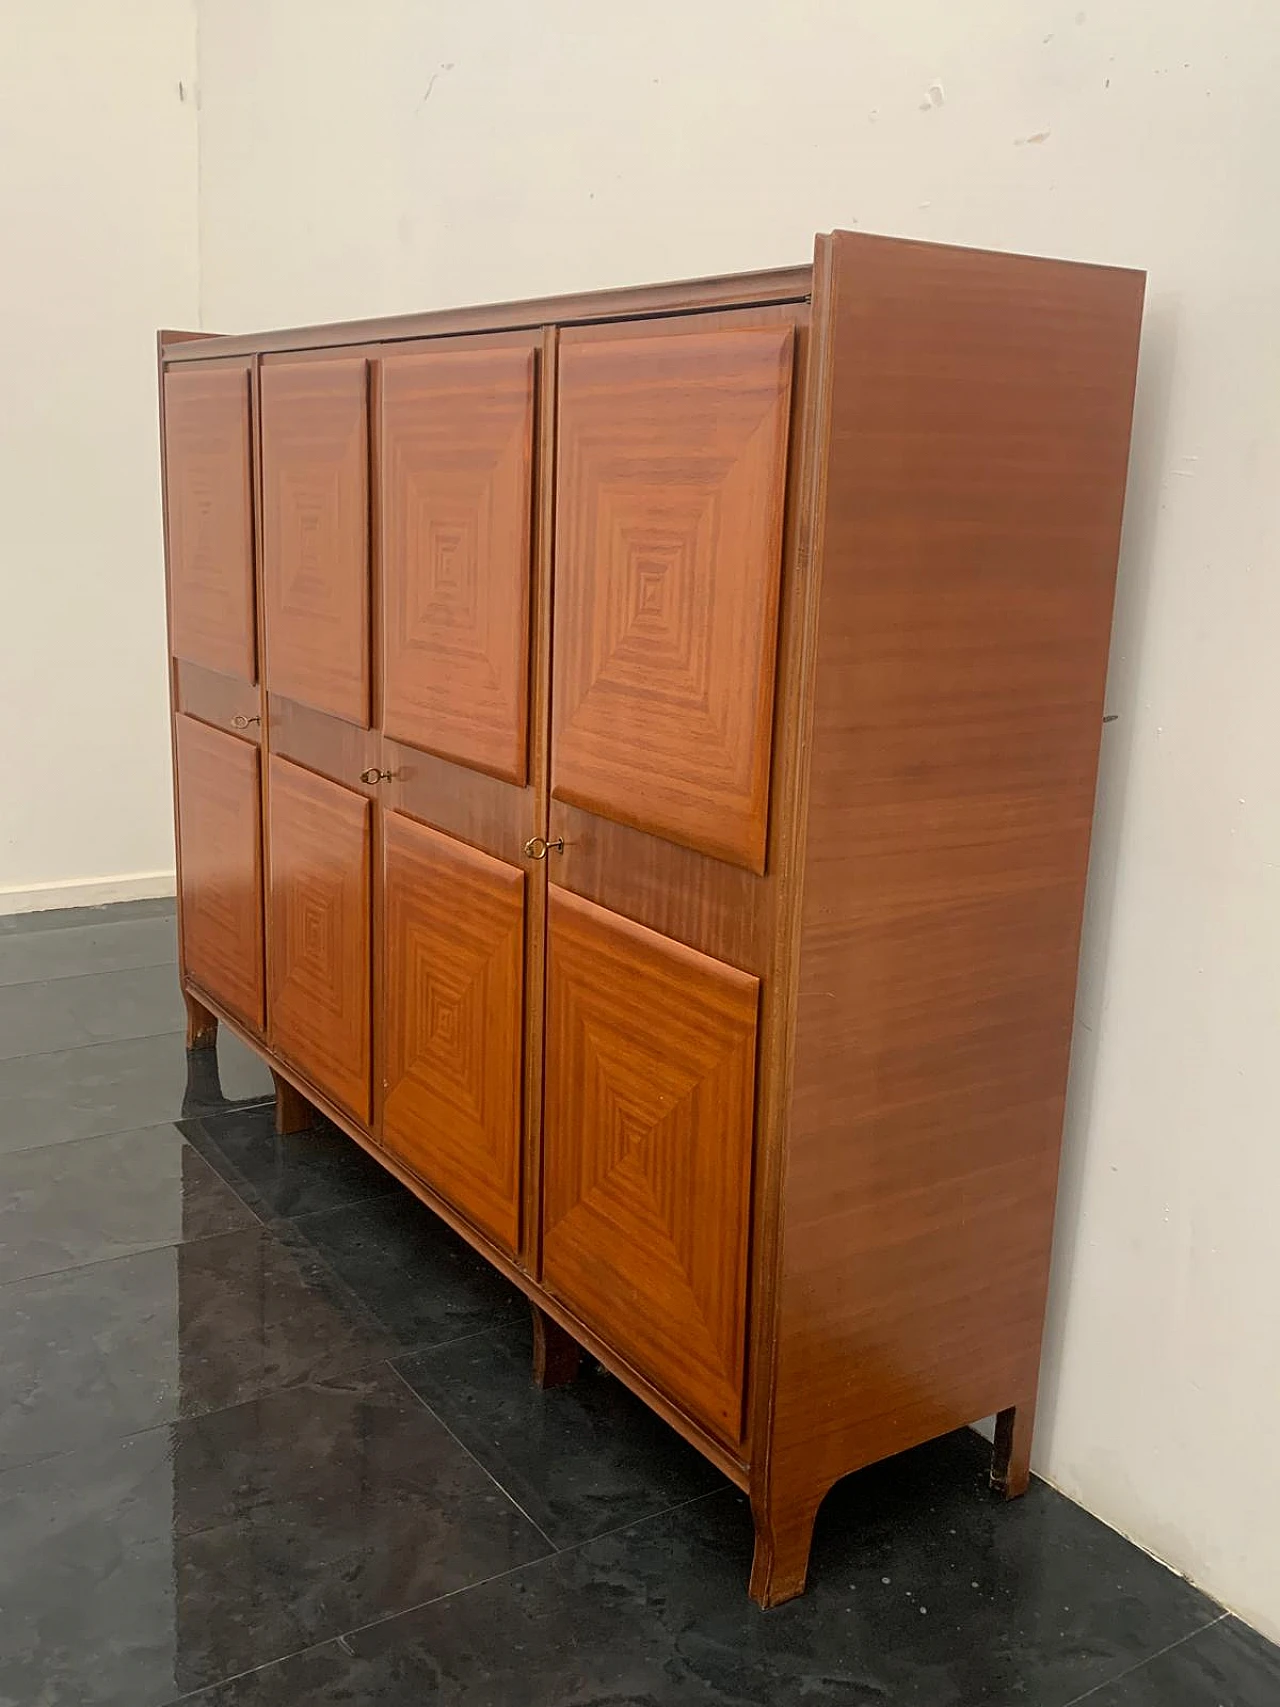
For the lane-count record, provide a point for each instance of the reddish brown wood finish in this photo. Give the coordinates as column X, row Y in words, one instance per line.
column 672, row 460
column 315, row 534
column 202, row 1026
column 556, row 1356
column 220, row 825
column 294, row 1113
column 209, row 518
column 453, row 971
column 632, row 302
column 650, row 1083
column 319, row 931
column 456, row 454
column 979, row 411
column 873, row 961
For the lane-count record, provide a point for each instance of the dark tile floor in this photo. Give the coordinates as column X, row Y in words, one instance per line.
column 268, row 1438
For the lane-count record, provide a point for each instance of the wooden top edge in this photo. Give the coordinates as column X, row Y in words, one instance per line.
column 733, row 290
column 780, row 284
column 853, row 239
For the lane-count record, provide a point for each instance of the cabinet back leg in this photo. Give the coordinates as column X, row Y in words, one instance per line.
column 202, row 1026
column 784, row 1537
column 1011, row 1459
column 293, row 1112
column 556, row 1354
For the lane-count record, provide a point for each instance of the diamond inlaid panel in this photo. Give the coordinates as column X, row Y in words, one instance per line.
column 671, row 476
column 648, row 1117
column 456, row 447
column 318, row 931
column 454, row 1007
column 209, row 507
column 220, row 836
column 315, row 534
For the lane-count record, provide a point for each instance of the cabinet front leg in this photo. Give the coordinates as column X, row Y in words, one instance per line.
column 293, row 1112
column 556, row 1354
column 784, row 1536
column 1011, row 1458
column 202, row 1026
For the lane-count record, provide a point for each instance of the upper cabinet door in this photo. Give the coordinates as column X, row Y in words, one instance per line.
column 671, row 473
column 209, row 501
column 456, row 451
column 315, row 534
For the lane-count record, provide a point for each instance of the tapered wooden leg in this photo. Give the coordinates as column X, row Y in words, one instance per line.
column 1011, row 1459
column 784, row 1536
column 293, row 1112
column 202, row 1026
column 556, row 1354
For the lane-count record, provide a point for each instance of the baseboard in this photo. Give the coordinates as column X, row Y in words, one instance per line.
column 88, row 892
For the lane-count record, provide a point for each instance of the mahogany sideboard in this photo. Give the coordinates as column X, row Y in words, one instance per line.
column 635, row 758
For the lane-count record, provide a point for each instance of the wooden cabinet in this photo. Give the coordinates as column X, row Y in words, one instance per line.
column 660, row 832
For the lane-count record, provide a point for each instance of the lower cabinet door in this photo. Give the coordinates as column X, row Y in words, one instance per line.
column 453, row 1020
column 318, row 931
column 220, row 832
column 647, row 1133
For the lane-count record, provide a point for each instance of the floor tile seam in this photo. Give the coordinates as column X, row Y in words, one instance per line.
column 140, row 1251
column 357, row 1367
column 119, row 1131
column 151, row 1250
column 103, row 972
column 462, row 1446
column 1140, row 1665
column 94, row 1043
column 342, row 1639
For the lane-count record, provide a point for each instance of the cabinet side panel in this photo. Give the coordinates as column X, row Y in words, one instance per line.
column 979, row 434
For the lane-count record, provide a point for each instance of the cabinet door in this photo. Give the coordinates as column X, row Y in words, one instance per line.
column 671, row 461
column 220, row 837
column 456, row 448
column 453, row 1013
column 209, row 507
column 319, row 931
column 315, row 534
column 647, row 1134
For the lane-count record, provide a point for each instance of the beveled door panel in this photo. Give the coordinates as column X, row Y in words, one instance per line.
column 671, row 473
column 453, row 1012
column 315, row 534
column 456, row 453
column 209, row 506
column 220, row 835
column 647, row 1133
column 318, row 922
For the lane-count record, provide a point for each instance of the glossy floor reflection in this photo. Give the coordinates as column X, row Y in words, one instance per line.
column 268, row 1438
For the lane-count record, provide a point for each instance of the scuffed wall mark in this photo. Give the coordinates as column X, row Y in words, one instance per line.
column 433, row 80
column 1030, row 141
column 1080, row 17
column 182, row 92
column 934, row 96
column 1048, row 38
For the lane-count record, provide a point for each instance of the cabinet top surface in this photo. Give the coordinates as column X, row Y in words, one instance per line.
column 777, row 285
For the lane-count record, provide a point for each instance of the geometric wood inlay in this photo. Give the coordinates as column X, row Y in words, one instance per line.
column 647, row 1134
column 315, row 534
column 453, row 940
column 671, row 470
column 456, row 449
column 220, row 835
column 209, row 505
column 318, row 920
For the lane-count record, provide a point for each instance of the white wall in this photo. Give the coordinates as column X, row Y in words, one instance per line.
column 401, row 155
column 99, row 241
